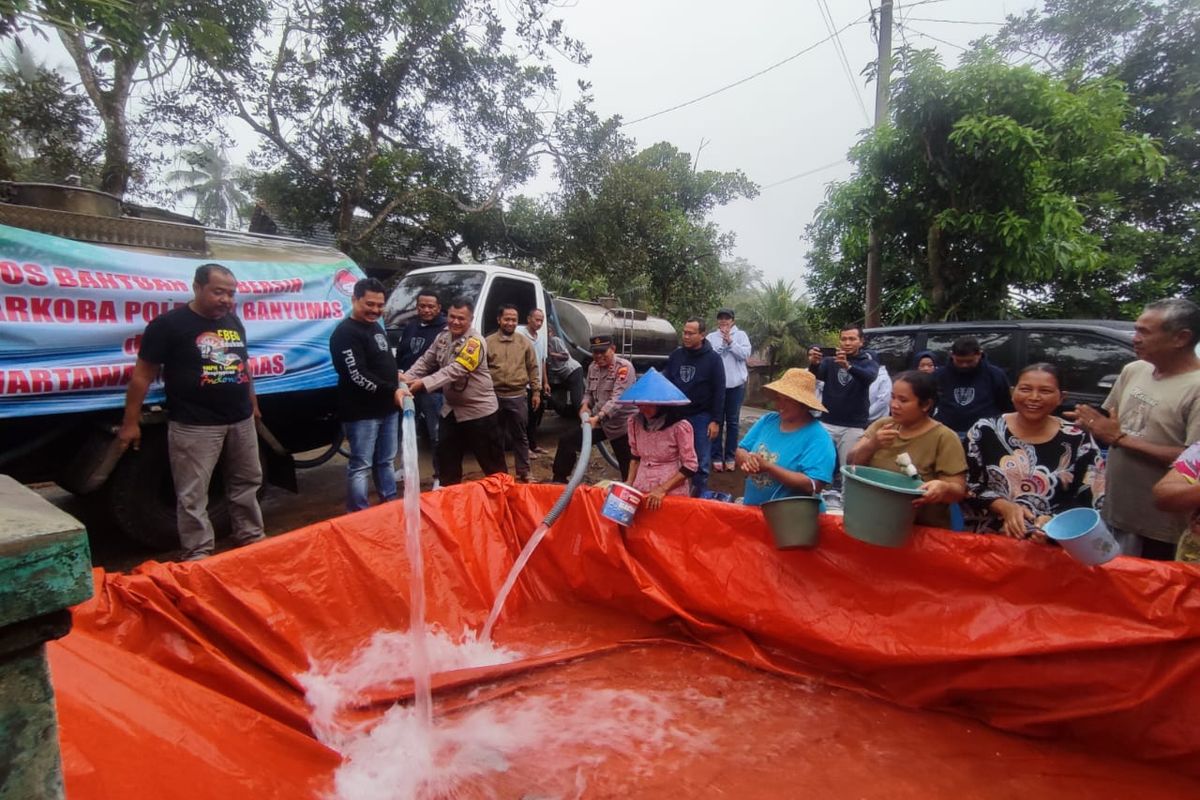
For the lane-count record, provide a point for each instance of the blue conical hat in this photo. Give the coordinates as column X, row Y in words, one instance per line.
column 655, row 390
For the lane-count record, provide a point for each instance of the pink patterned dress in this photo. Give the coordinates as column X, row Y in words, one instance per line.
column 661, row 450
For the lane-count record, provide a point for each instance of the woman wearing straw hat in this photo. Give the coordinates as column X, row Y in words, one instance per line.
column 661, row 441
column 787, row 452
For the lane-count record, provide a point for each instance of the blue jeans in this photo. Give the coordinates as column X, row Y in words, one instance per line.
column 703, row 452
column 372, row 449
column 729, row 428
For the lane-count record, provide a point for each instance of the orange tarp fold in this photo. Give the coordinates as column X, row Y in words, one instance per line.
column 181, row 680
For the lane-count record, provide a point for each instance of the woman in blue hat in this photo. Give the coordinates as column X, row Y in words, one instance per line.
column 661, row 441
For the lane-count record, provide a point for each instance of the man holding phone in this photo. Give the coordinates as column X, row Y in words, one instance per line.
column 848, row 374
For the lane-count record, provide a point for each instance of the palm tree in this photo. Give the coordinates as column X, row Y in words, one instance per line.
column 213, row 185
column 776, row 320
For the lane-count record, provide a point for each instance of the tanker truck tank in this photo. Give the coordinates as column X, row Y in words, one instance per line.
column 643, row 339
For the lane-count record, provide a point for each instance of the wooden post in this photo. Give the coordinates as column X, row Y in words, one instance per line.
column 45, row 568
column 883, row 78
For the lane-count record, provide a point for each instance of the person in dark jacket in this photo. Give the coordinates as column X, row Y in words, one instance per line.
column 925, row 361
column 368, row 395
column 970, row 387
column 697, row 370
column 415, row 339
column 848, row 375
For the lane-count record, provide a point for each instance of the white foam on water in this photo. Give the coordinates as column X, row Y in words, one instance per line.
column 388, row 656
column 535, row 739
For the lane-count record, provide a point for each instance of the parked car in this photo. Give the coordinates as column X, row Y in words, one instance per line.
column 1090, row 353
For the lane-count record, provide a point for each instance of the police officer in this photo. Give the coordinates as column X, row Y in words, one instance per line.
column 456, row 363
column 607, row 377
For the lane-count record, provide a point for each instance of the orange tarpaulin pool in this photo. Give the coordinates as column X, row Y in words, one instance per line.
column 959, row 666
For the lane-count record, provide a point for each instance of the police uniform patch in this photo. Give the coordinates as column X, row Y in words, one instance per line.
column 470, row 353
column 622, row 372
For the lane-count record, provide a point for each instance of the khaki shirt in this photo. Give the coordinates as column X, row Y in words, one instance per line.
column 604, row 388
column 458, row 366
column 1163, row 411
column 513, row 364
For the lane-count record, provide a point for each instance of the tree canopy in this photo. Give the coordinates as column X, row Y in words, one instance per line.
column 984, row 181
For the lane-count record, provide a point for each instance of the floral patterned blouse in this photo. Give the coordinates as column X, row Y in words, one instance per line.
column 1065, row 472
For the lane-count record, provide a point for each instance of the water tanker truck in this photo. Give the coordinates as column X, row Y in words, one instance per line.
column 81, row 273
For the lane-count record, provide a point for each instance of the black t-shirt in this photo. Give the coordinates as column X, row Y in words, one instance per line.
column 205, row 366
column 366, row 369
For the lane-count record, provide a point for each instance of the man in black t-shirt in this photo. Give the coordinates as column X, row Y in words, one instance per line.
column 200, row 349
column 368, row 395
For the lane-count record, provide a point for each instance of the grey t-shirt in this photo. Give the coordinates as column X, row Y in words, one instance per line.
column 1164, row 411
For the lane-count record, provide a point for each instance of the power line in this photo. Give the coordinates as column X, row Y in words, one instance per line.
column 954, row 21
column 916, row 32
column 805, row 174
column 761, row 72
column 827, row 18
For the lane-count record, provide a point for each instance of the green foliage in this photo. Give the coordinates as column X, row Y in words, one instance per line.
column 419, row 115
column 50, row 134
column 776, row 319
column 1150, row 233
column 633, row 226
column 980, row 184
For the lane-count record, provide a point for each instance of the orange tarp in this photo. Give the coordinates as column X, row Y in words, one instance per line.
column 180, row 680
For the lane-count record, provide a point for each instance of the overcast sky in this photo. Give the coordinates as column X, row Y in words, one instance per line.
column 800, row 117
column 650, row 55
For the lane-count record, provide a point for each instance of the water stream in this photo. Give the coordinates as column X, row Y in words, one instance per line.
column 511, row 580
column 422, row 682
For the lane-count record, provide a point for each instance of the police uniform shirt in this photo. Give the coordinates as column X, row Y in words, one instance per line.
column 458, row 366
column 604, row 388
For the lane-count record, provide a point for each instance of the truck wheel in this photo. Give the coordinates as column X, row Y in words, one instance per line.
column 141, row 496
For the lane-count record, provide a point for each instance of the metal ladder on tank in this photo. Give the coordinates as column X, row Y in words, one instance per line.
column 627, row 331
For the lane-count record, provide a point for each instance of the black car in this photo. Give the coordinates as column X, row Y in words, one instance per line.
column 1089, row 353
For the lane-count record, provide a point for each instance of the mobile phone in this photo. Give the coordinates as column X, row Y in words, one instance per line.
column 828, row 352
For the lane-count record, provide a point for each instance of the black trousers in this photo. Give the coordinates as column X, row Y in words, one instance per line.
column 569, row 445
column 482, row 436
column 574, row 388
column 535, row 414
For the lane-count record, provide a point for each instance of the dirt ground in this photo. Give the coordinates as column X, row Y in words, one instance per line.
column 322, row 495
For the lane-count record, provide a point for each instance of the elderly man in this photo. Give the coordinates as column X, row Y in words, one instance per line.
column 1153, row 413
column 513, row 364
column 532, row 330
column 201, row 350
column 697, row 371
column 456, row 363
column 608, row 376
column 733, row 346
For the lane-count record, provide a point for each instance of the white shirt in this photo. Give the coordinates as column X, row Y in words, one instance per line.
column 880, row 394
column 733, row 355
column 539, row 346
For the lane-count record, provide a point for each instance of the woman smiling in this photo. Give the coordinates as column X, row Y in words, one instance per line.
column 1027, row 465
column 932, row 448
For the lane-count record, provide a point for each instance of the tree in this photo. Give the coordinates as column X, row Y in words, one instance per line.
column 50, row 133
column 212, row 185
column 117, row 45
column 399, row 112
column 1151, row 235
column 979, row 184
column 777, row 321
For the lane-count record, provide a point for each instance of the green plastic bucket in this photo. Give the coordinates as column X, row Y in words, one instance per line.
column 793, row 521
column 877, row 505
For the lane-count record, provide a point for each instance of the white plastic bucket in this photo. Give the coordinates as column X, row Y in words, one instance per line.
column 621, row 503
column 1084, row 535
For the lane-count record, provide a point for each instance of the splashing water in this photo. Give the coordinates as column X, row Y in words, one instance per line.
column 513, row 738
column 422, row 682
column 511, row 580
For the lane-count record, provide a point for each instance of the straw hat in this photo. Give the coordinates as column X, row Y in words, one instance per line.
column 800, row 385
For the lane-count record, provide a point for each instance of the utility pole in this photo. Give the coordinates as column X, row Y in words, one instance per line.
column 883, row 79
